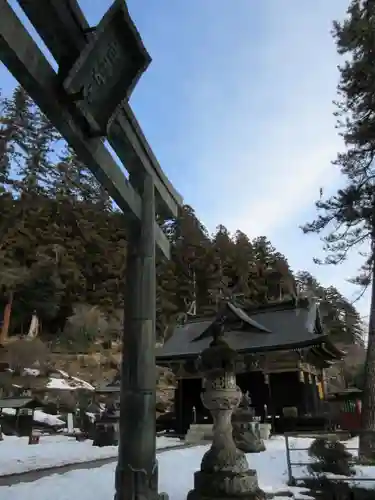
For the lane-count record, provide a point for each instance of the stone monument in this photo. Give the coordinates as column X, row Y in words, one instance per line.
column 224, row 471
column 246, row 433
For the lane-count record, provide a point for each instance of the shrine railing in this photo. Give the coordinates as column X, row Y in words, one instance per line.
column 292, row 463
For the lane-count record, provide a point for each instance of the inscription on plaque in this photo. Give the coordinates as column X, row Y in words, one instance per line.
column 102, row 72
column 108, row 68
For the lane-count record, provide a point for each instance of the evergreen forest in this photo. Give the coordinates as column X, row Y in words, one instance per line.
column 63, row 246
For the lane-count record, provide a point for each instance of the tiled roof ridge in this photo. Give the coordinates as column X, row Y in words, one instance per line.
column 284, row 305
column 287, row 305
column 198, row 319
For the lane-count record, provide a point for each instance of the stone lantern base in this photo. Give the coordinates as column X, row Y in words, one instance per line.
column 226, row 485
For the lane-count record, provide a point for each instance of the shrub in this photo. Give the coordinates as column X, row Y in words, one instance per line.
column 27, row 353
column 83, row 328
column 331, row 457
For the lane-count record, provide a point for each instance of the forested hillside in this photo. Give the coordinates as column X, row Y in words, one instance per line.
column 63, row 247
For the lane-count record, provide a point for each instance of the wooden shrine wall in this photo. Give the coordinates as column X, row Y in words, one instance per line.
column 276, row 362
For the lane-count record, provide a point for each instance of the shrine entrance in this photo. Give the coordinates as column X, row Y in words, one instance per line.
column 188, row 405
column 254, row 382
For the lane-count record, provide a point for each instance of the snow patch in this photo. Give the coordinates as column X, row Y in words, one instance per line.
column 33, row 372
column 67, row 382
column 39, row 416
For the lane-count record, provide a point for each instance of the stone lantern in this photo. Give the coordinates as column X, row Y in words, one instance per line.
column 224, row 471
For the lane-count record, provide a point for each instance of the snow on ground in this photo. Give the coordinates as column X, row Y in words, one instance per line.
column 99, row 483
column 17, row 456
column 176, row 469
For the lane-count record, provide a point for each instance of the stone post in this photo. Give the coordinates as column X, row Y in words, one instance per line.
column 224, row 471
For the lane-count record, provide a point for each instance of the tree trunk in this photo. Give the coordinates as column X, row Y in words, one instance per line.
column 6, row 319
column 367, row 438
column 34, row 326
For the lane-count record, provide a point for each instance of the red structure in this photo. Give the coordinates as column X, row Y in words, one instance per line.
column 346, row 406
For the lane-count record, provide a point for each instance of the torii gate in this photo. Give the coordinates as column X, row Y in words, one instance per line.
column 87, row 101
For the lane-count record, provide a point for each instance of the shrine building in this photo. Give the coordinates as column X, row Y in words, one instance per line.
column 283, row 350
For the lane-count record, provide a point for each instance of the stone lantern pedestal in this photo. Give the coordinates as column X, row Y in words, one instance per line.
column 224, row 471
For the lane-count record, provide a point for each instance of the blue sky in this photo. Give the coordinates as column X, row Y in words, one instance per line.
column 237, row 106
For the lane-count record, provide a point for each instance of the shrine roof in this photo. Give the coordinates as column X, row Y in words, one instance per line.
column 274, row 327
column 20, row 402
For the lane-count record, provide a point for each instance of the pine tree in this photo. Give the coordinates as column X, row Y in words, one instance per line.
column 16, row 119
column 166, row 291
column 209, row 282
column 189, row 246
column 343, row 319
column 35, row 172
column 243, row 263
column 74, row 180
column 270, row 269
column 307, row 285
column 7, row 129
column 225, row 250
column 28, row 141
column 349, row 215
